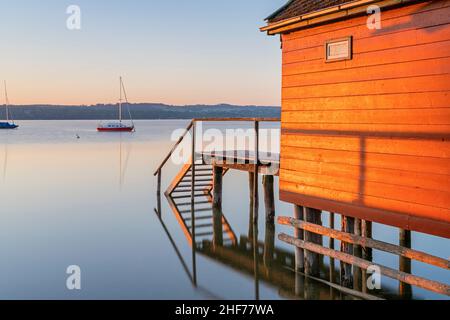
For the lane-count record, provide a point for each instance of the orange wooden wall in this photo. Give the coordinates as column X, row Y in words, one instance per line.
column 370, row 137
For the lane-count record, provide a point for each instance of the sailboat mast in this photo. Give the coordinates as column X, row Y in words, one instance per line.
column 6, row 103
column 120, row 101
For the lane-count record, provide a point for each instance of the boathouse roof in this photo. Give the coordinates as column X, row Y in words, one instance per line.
column 299, row 14
column 296, row 8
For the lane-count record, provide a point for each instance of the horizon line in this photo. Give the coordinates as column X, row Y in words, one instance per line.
column 140, row 103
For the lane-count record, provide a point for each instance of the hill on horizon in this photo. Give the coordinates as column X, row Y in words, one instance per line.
column 139, row 111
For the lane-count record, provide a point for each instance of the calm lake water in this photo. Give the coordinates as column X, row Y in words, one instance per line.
column 90, row 202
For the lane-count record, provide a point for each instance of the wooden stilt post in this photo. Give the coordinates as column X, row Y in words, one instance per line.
column 357, row 252
column 251, row 181
column 312, row 260
column 269, row 198
column 158, row 193
column 194, row 245
column 217, row 206
column 347, row 225
column 299, row 284
column 269, row 244
column 299, row 234
column 255, row 210
column 256, row 260
column 159, row 183
column 405, row 290
column 366, row 230
column 256, row 176
column 217, row 186
column 367, row 253
column 332, row 267
column 332, row 242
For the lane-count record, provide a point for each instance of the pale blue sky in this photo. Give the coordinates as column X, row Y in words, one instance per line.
column 178, row 52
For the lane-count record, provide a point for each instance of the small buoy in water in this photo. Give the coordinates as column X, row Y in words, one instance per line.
column 78, row 137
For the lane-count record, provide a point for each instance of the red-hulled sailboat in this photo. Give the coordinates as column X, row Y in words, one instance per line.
column 119, row 126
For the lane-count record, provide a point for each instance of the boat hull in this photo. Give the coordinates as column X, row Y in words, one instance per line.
column 124, row 129
column 7, row 125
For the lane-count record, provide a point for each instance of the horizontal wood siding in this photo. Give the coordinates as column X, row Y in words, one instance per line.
column 370, row 136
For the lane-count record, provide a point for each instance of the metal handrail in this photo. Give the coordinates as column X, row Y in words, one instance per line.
column 191, row 124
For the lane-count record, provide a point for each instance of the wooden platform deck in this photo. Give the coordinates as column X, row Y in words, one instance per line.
column 243, row 160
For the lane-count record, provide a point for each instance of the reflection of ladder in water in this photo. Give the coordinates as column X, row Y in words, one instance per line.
column 179, row 197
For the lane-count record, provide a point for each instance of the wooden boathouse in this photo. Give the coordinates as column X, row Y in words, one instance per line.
column 366, row 109
column 365, row 136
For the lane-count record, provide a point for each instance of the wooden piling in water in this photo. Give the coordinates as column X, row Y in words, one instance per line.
column 217, row 186
column 348, row 226
column 159, row 183
column 269, row 198
column 357, row 252
column 366, row 230
column 405, row 289
column 299, row 284
column 299, row 234
column 193, row 232
column 332, row 243
column 158, row 194
column 251, row 181
column 255, row 195
column 217, row 206
column 256, row 176
column 269, row 245
column 332, row 261
column 312, row 259
column 255, row 209
column 367, row 252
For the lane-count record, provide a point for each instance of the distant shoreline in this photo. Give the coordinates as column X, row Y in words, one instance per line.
column 141, row 111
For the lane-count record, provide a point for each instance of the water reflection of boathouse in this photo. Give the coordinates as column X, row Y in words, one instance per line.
column 212, row 236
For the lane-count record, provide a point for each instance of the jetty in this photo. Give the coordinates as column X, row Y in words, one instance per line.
column 365, row 138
